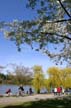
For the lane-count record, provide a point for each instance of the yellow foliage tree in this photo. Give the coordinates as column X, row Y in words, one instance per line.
column 67, row 77
column 47, row 84
column 38, row 80
column 60, row 77
column 54, row 75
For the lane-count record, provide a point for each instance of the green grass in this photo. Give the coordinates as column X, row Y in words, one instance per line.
column 50, row 103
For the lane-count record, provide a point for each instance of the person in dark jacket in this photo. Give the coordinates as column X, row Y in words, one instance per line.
column 21, row 90
column 30, row 90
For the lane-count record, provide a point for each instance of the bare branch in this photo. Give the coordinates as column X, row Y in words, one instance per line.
column 62, row 20
column 64, row 36
column 56, row 21
column 64, row 8
column 49, row 33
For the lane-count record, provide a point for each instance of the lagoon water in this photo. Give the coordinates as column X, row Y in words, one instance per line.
column 14, row 88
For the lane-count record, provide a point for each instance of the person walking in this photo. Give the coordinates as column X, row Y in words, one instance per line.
column 59, row 91
column 55, row 91
column 30, row 90
column 21, row 90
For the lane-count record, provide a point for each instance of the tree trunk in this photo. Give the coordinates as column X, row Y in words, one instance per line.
column 38, row 91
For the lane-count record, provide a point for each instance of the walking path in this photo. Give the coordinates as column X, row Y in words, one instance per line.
column 4, row 101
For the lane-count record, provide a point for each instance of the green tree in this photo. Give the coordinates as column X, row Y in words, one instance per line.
column 38, row 79
column 2, row 78
column 10, row 78
column 51, row 27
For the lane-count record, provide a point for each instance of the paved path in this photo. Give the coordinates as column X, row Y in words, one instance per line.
column 4, row 101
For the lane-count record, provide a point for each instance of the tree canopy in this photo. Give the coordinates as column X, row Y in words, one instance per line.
column 38, row 79
column 59, row 77
column 50, row 28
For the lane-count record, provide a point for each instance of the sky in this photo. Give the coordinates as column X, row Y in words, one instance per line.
column 9, row 11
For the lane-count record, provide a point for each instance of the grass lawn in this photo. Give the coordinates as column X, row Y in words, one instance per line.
column 50, row 103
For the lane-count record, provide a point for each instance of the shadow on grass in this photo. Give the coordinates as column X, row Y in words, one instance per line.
column 50, row 103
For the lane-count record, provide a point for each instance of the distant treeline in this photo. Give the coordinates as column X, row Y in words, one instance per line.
column 13, row 79
column 19, row 75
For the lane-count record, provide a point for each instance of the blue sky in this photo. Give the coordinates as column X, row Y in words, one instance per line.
column 15, row 9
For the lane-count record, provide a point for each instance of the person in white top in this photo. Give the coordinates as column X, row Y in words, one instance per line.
column 55, row 91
